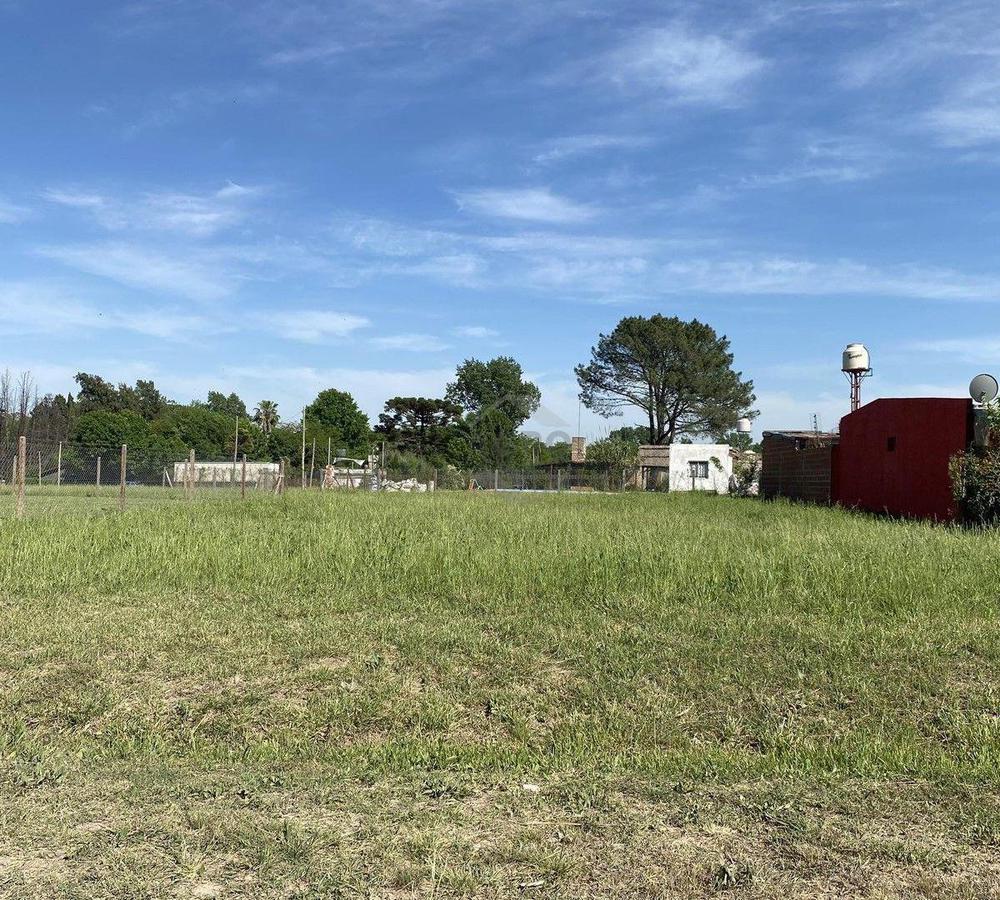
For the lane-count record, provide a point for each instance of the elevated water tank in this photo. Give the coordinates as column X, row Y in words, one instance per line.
column 856, row 359
column 744, row 425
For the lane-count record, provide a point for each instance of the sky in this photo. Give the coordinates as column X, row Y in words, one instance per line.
column 274, row 197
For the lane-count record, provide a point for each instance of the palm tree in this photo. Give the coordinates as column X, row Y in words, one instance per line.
column 266, row 415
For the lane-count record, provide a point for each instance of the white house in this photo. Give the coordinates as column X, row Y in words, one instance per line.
column 687, row 467
column 700, row 467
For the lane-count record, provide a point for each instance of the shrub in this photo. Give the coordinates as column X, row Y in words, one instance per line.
column 975, row 476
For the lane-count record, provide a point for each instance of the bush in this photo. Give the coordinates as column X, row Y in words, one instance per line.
column 975, row 476
column 975, row 479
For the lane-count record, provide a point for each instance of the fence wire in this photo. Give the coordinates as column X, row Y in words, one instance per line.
column 68, row 478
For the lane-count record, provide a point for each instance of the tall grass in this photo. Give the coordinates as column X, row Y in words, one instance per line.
column 681, row 635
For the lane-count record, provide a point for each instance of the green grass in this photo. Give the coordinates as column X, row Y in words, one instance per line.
column 493, row 695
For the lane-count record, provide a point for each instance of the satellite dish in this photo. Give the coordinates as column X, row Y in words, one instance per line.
column 984, row 388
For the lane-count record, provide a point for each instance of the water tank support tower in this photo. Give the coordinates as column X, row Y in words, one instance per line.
column 856, row 365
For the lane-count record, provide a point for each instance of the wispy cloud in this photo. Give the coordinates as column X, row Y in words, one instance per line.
column 196, row 215
column 12, row 213
column 416, row 343
column 315, row 326
column 683, row 66
column 292, row 385
column 566, row 148
column 43, row 308
column 983, row 349
column 969, row 116
column 148, row 269
column 785, row 275
column 195, row 102
column 475, row 332
column 529, row 204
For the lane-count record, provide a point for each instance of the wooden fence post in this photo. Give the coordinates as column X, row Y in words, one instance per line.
column 59, row 467
column 121, row 479
column 98, row 471
column 22, row 465
column 243, row 479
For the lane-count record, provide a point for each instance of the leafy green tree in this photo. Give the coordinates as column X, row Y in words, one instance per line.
column 618, row 451
column 495, row 439
column 499, row 385
column 266, row 415
column 678, row 373
column 419, row 425
column 231, row 406
column 52, row 418
column 336, row 411
column 149, row 401
column 284, row 442
column 636, row 434
column 211, row 435
column 103, row 432
column 97, row 395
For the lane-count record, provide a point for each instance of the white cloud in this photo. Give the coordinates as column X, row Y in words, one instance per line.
column 529, row 204
column 323, row 51
column 784, row 275
column 315, row 326
column 139, row 267
column 968, row 119
column 564, row 148
column 415, row 343
column 294, row 386
column 683, row 66
column 983, row 349
column 195, row 215
column 12, row 213
column 194, row 102
column 475, row 332
column 43, row 308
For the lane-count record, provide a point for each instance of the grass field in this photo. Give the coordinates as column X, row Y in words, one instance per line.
column 496, row 696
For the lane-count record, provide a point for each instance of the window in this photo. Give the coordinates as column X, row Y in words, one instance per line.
column 890, row 445
column 698, row 469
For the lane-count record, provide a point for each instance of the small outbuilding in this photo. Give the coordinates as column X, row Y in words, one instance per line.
column 686, row 467
column 894, row 456
column 798, row 465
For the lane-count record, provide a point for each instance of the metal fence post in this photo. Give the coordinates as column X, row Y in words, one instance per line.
column 496, row 479
column 121, row 479
column 39, row 468
column 190, row 475
column 22, row 463
column 243, row 479
column 59, row 467
column 98, row 471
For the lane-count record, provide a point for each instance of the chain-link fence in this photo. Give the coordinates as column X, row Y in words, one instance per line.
column 557, row 478
column 42, row 476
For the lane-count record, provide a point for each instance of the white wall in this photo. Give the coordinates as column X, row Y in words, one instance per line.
column 681, row 455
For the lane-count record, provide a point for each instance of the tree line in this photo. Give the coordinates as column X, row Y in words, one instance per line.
column 677, row 375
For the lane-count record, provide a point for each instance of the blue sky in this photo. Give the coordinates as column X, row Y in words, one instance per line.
column 277, row 197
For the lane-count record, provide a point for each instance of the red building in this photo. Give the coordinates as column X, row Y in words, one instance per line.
column 893, row 456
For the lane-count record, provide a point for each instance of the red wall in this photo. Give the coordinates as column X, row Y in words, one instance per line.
column 912, row 479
